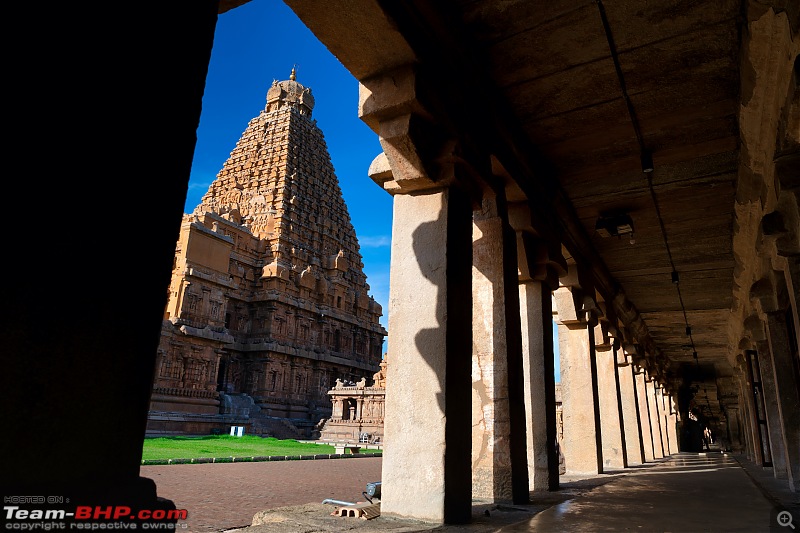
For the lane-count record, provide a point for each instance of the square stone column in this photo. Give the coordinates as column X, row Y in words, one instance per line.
column 786, row 386
column 655, row 419
column 609, row 402
column 747, row 419
column 644, row 416
column 536, row 312
column 634, row 448
column 763, row 363
column 427, row 424
column 664, row 419
column 750, row 413
column 754, row 447
column 582, row 444
column 732, row 418
column 672, row 425
column 499, row 459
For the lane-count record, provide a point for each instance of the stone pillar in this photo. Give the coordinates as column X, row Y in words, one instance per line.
column 747, row 419
column 608, row 395
column 750, row 415
column 763, row 360
column 536, row 311
column 672, row 428
column 644, row 416
column 498, row 462
column 664, row 418
column 655, row 423
column 426, row 467
column 634, row 447
column 734, row 429
column 582, row 448
column 787, row 393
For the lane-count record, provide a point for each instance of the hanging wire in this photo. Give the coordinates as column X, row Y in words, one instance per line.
column 645, row 156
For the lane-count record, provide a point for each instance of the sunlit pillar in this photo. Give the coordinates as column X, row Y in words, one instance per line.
column 538, row 369
column 608, row 395
column 672, row 424
column 655, row 423
column 499, row 459
column 630, row 409
column 644, row 415
column 426, row 467
column 664, row 419
column 582, row 444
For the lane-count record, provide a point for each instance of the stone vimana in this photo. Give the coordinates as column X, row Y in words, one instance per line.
column 268, row 302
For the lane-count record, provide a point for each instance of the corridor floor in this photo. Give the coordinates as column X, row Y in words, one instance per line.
column 685, row 493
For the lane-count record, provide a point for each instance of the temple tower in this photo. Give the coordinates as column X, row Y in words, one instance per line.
column 268, row 302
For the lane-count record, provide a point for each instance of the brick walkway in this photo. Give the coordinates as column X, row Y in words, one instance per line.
column 226, row 496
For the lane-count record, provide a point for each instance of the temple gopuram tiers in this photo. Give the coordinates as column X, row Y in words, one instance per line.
column 268, row 303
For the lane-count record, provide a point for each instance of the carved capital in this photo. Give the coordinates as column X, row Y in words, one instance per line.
column 764, row 294
column 538, row 260
column 566, row 302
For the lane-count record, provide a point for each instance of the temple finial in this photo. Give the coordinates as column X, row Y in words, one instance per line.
column 293, row 75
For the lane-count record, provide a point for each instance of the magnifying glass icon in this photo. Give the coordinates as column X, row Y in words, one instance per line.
column 785, row 519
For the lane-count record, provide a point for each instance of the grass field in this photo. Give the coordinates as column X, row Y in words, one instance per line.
column 227, row 446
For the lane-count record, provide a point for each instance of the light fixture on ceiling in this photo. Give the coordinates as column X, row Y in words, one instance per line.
column 615, row 226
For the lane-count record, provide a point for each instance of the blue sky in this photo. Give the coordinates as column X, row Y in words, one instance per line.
column 255, row 44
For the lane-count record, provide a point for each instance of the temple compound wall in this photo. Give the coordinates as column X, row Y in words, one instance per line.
column 268, row 303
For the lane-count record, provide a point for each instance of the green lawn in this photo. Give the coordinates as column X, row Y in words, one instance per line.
column 217, row 446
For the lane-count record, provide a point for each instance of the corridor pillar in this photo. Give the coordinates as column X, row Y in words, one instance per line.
column 644, row 415
column 582, row 444
column 426, row 472
column 655, row 423
column 786, row 385
column 664, row 418
column 672, row 427
column 614, row 454
column 540, row 264
column 755, row 450
column 763, row 362
column 428, row 384
column 499, row 457
column 539, row 371
column 633, row 431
